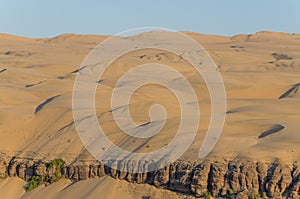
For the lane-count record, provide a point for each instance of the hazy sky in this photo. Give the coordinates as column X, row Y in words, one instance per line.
column 41, row 18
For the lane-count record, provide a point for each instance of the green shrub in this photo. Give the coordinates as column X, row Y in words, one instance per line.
column 264, row 195
column 207, row 195
column 34, row 182
column 229, row 194
column 255, row 196
column 57, row 164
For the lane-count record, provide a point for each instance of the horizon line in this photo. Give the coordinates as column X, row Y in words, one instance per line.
column 116, row 34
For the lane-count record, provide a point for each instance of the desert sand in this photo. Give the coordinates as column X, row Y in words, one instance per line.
column 261, row 73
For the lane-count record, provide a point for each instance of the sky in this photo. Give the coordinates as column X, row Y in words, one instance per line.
column 41, row 18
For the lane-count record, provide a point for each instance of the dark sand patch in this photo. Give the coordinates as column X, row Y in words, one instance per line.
column 30, row 85
column 275, row 129
column 293, row 89
column 41, row 106
column 3, row 70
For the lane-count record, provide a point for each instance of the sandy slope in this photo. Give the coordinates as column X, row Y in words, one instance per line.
column 260, row 71
column 104, row 188
column 12, row 188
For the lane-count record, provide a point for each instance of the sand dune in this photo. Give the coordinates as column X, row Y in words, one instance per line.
column 12, row 188
column 41, row 106
column 275, row 129
column 30, row 85
column 36, row 82
column 105, row 188
column 292, row 91
column 3, row 70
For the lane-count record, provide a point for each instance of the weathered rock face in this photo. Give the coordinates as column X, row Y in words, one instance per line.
column 40, row 169
column 239, row 179
column 3, row 166
column 200, row 178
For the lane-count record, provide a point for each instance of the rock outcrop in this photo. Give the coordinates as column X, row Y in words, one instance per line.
column 231, row 179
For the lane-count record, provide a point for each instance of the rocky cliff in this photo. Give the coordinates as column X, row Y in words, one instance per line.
column 231, row 179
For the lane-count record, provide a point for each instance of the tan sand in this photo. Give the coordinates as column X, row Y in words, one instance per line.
column 36, row 93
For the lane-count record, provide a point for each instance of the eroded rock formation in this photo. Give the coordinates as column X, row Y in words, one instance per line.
column 235, row 179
